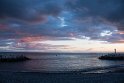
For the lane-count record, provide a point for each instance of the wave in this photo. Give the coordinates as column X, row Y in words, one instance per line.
column 106, row 69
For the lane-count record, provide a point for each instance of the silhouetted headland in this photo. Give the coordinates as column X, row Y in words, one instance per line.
column 112, row 56
column 12, row 58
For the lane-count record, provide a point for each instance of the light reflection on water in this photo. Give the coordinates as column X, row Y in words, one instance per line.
column 61, row 62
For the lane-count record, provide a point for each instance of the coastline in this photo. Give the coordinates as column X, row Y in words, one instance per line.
column 115, row 76
column 38, row 77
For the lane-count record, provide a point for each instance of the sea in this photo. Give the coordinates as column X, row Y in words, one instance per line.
column 60, row 62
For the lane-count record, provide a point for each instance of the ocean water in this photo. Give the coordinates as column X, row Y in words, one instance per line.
column 47, row 62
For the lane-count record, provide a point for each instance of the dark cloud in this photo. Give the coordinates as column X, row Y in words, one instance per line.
column 111, row 10
column 28, row 10
column 86, row 19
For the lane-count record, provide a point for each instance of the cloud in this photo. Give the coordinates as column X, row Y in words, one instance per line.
column 27, row 21
column 86, row 14
column 16, row 45
column 93, row 18
column 28, row 10
column 111, row 10
column 21, row 18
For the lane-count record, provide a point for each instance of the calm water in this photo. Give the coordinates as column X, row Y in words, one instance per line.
column 58, row 62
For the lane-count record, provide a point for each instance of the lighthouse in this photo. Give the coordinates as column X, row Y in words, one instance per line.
column 115, row 51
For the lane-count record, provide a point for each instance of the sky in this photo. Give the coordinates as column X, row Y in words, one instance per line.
column 62, row 25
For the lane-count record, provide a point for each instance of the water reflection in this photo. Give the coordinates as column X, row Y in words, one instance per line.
column 58, row 63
